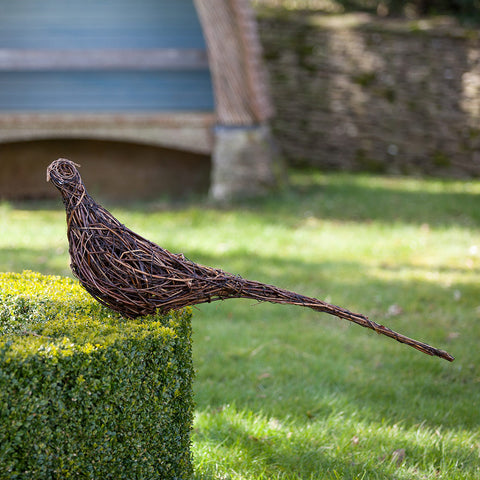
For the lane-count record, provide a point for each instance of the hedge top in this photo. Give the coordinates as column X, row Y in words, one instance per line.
column 54, row 316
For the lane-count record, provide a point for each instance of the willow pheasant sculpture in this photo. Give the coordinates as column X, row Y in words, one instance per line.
column 135, row 277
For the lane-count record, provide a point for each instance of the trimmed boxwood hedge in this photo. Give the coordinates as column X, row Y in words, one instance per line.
column 85, row 393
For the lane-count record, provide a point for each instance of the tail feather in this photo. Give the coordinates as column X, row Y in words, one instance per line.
column 269, row 293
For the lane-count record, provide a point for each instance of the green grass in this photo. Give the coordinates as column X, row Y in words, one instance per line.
column 286, row 393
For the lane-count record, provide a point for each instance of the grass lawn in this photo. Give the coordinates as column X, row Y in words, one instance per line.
column 287, row 393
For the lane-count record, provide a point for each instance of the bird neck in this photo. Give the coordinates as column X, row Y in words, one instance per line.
column 74, row 197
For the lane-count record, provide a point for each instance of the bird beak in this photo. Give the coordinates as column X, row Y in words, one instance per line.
column 48, row 172
column 59, row 182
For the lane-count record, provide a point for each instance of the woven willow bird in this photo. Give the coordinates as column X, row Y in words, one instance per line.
column 136, row 277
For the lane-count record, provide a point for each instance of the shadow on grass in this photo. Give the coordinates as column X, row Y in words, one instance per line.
column 352, row 198
column 248, row 443
column 336, row 197
column 276, row 454
column 379, row 199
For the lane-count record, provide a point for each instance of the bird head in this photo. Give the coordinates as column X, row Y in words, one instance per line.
column 63, row 174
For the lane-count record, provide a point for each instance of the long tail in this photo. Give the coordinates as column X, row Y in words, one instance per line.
column 269, row 293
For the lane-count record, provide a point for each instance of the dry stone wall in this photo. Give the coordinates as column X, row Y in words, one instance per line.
column 357, row 93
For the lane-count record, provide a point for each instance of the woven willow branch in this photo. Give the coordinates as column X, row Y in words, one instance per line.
column 136, row 277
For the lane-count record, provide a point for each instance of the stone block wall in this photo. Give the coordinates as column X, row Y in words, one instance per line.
column 358, row 93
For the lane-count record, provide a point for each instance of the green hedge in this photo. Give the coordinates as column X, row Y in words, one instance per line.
column 85, row 393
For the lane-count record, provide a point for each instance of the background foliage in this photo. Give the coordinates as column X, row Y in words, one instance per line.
column 466, row 10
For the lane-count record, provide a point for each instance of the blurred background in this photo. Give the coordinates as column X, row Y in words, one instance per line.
column 192, row 95
column 386, row 87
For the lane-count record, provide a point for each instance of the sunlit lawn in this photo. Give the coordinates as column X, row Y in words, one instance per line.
column 287, row 393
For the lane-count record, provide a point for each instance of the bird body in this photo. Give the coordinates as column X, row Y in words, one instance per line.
column 136, row 277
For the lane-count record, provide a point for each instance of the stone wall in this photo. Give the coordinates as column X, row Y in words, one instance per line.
column 355, row 92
